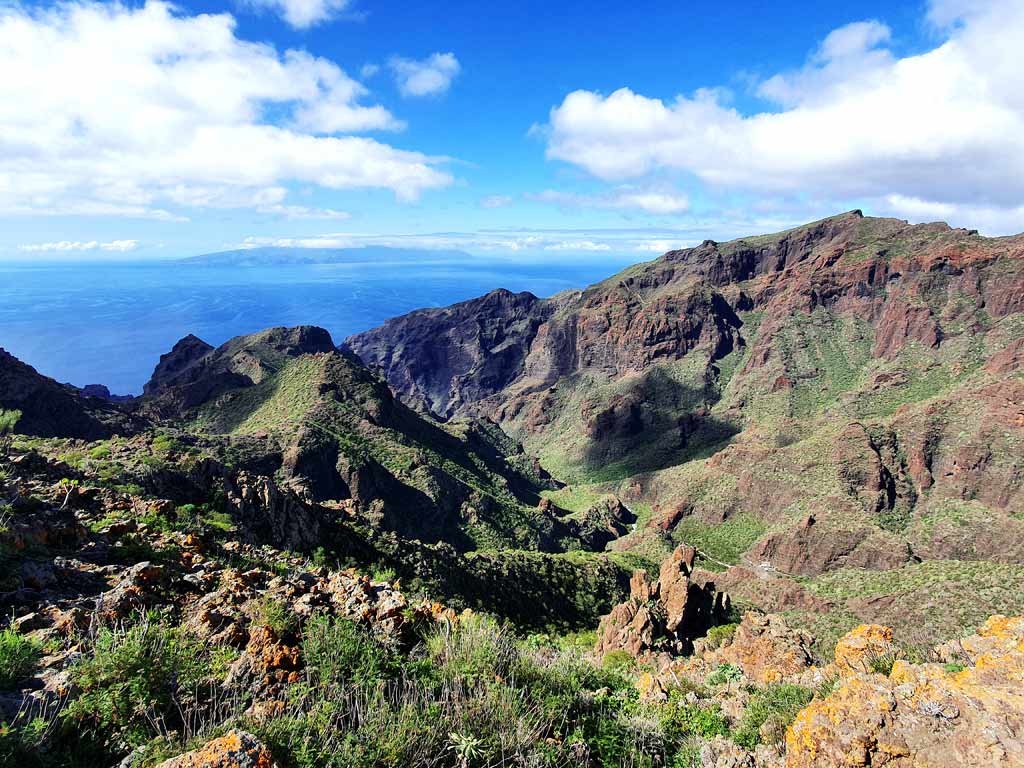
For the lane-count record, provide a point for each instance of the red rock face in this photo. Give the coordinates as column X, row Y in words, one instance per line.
column 666, row 615
column 915, row 294
column 892, row 275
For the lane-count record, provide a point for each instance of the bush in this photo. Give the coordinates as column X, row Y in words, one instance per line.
column 619, row 661
column 338, row 652
column 882, row 663
column 18, row 657
column 680, row 721
column 276, row 615
column 725, row 673
column 720, row 635
column 476, row 648
column 770, row 712
column 139, row 682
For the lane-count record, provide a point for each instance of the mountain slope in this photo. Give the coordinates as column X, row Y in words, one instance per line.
column 342, row 437
column 49, row 409
column 846, row 393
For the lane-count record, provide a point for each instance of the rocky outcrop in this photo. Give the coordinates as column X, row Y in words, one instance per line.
column 446, row 358
column 603, row 522
column 763, row 646
column 183, row 355
column 664, row 617
column 235, row 749
column 191, row 374
column 968, row 712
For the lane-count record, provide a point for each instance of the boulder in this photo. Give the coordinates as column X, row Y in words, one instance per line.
column 236, row 749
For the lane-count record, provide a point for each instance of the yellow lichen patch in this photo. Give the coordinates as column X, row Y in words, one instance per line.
column 921, row 715
column 856, row 649
column 844, row 728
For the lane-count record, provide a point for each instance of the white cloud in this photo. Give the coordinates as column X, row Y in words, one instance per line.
column 502, row 243
column 578, row 245
column 119, row 246
column 303, row 13
column 127, row 110
column 495, row 201
column 662, row 246
column 294, row 212
column 432, row 75
column 624, row 198
column 857, row 122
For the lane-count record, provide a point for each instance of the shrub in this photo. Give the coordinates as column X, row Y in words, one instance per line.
column 881, row 663
column 720, row 635
column 276, row 615
column 139, row 682
column 339, row 652
column 18, row 657
column 953, row 667
column 100, row 452
column 725, row 673
column 680, row 720
column 475, row 648
column 619, row 661
column 770, row 712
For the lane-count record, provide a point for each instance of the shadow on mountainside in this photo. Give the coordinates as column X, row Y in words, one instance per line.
column 658, row 423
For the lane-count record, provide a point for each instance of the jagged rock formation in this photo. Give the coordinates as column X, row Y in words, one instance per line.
column 446, row 358
column 664, row 617
column 342, row 437
column 183, row 355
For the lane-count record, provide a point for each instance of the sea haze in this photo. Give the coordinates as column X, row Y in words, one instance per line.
column 108, row 323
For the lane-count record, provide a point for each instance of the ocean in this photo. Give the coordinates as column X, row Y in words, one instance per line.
column 108, row 323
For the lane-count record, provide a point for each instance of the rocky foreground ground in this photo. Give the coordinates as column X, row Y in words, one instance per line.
column 144, row 634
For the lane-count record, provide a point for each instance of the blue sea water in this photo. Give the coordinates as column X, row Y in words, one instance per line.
column 103, row 323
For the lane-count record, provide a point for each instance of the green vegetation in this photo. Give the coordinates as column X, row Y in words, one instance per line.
column 769, row 713
column 18, row 657
column 726, row 541
column 139, row 682
column 336, row 652
column 720, row 635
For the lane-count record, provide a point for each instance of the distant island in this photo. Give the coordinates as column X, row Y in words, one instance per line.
column 270, row 255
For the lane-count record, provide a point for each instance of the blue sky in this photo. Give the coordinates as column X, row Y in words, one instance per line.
column 510, row 130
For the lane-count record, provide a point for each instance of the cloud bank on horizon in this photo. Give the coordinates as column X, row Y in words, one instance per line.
column 163, row 119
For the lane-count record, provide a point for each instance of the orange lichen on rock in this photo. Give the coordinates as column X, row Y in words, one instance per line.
column 766, row 649
column 921, row 715
column 856, row 650
column 236, row 749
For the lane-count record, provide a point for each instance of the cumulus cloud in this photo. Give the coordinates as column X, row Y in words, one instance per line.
column 302, row 14
column 119, row 246
column 624, row 198
column 427, row 77
column 126, row 110
column 944, row 127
